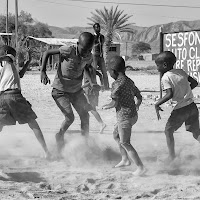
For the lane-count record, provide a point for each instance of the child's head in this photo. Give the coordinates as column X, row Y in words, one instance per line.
column 8, row 51
column 85, row 43
column 165, row 61
column 116, row 66
column 97, row 28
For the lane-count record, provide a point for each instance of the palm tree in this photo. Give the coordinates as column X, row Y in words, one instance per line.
column 113, row 22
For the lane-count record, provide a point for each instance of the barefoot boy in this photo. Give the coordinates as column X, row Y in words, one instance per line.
column 67, row 86
column 13, row 106
column 123, row 93
column 92, row 95
column 178, row 87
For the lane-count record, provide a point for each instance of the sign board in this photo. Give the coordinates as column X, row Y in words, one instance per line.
column 186, row 47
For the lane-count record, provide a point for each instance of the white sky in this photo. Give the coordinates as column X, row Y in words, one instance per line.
column 67, row 13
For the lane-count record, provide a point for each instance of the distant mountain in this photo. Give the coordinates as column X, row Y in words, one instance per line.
column 149, row 35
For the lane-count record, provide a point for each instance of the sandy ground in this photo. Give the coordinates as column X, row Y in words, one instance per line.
column 87, row 171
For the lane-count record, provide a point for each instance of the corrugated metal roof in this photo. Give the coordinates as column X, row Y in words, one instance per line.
column 5, row 33
column 61, row 41
column 56, row 41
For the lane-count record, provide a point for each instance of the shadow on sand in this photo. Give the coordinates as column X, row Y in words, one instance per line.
column 33, row 177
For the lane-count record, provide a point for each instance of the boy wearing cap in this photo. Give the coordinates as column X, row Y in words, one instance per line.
column 123, row 95
column 13, row 106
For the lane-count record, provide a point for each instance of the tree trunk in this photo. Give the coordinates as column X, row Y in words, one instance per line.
column 107, row 44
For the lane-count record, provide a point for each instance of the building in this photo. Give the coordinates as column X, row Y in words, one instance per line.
column 51, row 43
column 5, row 38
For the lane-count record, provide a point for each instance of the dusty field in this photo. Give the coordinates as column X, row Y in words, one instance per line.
column 87, row 171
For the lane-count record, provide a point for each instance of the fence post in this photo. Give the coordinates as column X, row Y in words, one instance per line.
column 161, row 50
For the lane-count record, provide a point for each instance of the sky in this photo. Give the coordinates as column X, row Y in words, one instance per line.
column 68, row 13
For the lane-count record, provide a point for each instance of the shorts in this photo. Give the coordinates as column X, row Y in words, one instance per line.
column 64, row 100
column 188, row 115
column 122, row 130
column 14, row 108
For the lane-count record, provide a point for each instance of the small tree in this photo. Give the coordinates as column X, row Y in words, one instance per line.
column 26, row 27
column 140, row 47
column 113, row 21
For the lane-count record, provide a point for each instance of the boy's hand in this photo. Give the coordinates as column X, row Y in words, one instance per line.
column 44, row 78
column 137, row 107
column 105, row 107
column 158, row 108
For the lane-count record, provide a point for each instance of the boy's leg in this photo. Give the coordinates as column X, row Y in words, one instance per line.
column 93, row 101
column 170, row 144
column 175, row 121
column 125, row 135
column 38, row 133
column 104, row 72
column 63, row 102
column 82, row 107
column 192, row 123
column 1, row 127
column 99, row 119
column 125, row 159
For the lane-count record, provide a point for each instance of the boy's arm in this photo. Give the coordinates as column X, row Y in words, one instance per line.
column 100, row 77
column 193, row 82
column 139, row 101
column 168, row 96
column 139, row 98
column 88, row 74
column 88, row 70
column 44, row 78
column 5, row 58
column 26, row 64
column 112, row 104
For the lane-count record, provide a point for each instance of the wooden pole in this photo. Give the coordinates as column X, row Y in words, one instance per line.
column 16, row 25
column 161, row 50
column 7, row 22
column 6, row 16
column 126, row 48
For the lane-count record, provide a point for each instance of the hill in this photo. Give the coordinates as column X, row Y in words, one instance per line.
column 145, row 34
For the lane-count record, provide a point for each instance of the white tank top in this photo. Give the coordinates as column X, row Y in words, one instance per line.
column 9, row 76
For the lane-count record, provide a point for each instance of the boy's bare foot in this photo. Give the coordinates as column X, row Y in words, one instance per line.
column 58, row 157
column 103, row 126
column 123, row 164
column 48, row 156
column 4, row 175
column 60, row 142
column 140, row 171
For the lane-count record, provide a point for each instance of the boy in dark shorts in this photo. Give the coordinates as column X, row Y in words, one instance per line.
column 67, row 85
column 13, row 106
column 178, row 86
column 123, row 95
column 92, row 95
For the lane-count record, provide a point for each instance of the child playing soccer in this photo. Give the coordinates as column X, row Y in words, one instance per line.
column 123, row 95
column 67, row 86
column 93, row 95
column 13, row 106
column 178, row 87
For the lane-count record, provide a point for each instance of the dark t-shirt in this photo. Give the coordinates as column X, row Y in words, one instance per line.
column 124, row 92
column 70, row 72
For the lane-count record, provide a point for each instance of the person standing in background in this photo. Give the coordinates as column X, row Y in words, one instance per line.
column 98, row 59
